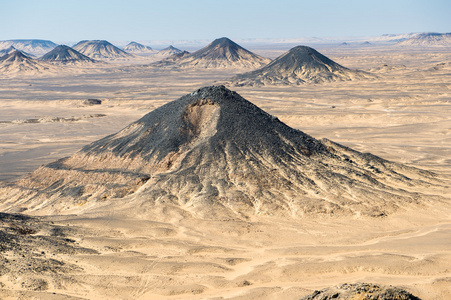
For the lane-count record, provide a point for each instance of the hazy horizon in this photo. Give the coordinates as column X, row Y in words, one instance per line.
column 203, row 20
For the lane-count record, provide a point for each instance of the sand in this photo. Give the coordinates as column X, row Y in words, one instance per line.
column 404, row 116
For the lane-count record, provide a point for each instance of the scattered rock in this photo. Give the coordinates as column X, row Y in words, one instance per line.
column 92, row 102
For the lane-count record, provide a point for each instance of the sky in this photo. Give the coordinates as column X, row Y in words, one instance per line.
column 117, row 20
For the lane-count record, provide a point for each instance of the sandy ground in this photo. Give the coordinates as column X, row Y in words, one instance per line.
column 404, row 116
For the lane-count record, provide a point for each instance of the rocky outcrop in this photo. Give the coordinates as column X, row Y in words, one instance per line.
column 361, row 291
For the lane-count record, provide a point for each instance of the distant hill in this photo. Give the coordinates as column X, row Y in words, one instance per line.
column 299, row 65
column 34, row 47
column 177, row 56
column 100, row 49
column 139, row 49
column 429, row 39
column 18, row 63
column 222, row 53
column 63, row 54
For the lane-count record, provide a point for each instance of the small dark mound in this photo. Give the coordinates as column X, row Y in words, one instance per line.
column 361, row 291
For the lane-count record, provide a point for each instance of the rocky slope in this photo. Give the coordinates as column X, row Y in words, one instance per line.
column 299, row 65
column 63, row 54
column 214, row 154
column 100, row 49
column 222, row 53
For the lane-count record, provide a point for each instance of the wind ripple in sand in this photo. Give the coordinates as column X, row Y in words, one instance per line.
column 48, row 119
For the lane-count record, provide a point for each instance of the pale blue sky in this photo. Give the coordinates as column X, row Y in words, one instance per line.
column 201, row 19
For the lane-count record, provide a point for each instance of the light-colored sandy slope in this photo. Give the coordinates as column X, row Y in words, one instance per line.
column 404, row 116
column 172, row 256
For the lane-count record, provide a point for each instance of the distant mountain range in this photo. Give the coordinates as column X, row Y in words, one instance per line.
column 429, row 39
column 35, row 47
column 11, row 49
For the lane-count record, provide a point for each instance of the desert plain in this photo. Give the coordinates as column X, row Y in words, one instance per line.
column 114, row 250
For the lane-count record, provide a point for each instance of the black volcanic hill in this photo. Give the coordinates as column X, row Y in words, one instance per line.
column 223, row 53
column 171, row 50
column 299, row 65
column 213, row 153
column 15, row 55
column 140, row 49
column 168, row 52
column 17, row 62
column 65, row 55
column 100, row 49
